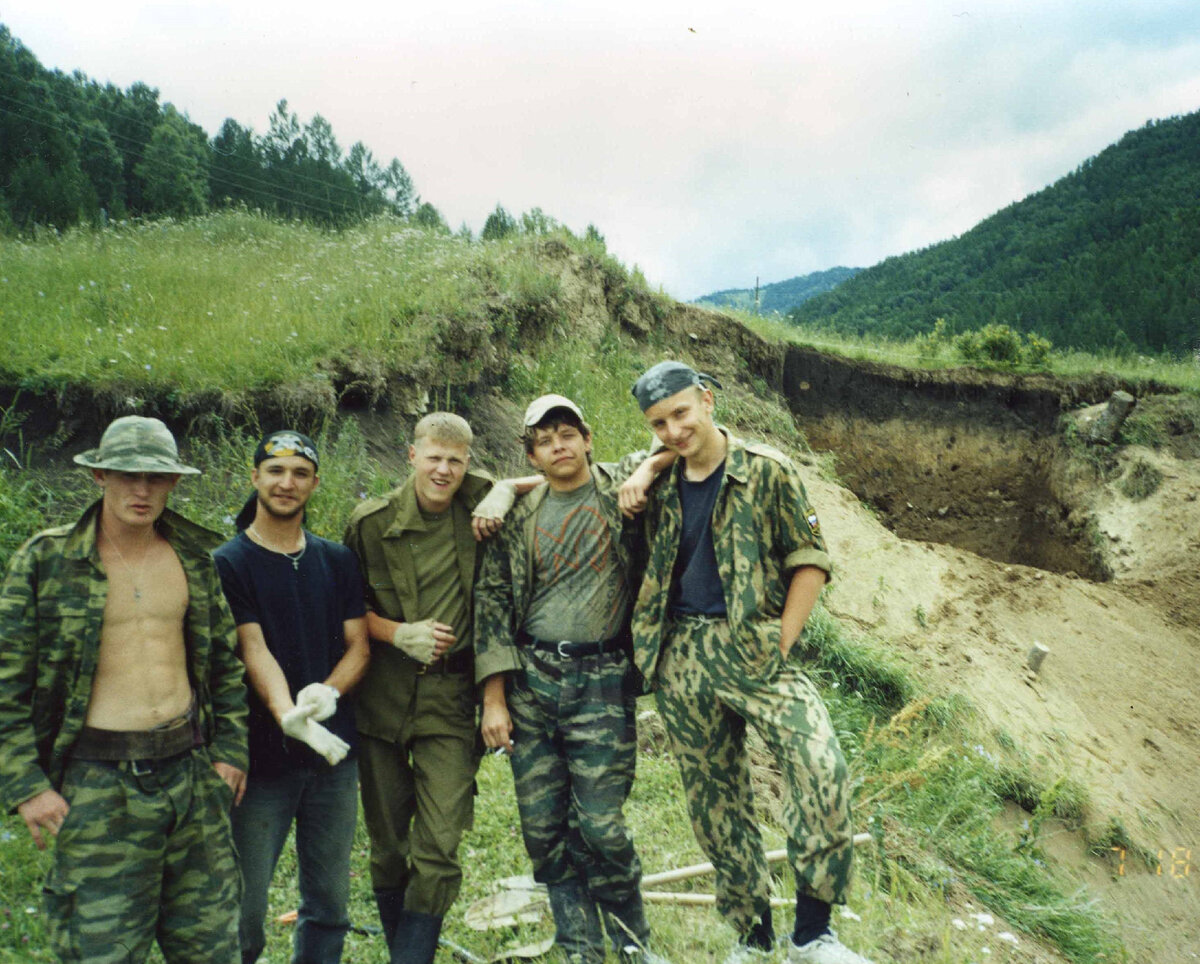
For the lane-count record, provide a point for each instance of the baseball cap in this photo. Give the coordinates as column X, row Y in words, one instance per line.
column 540, row 407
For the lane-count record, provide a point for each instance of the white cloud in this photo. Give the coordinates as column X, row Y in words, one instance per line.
column 708, row 143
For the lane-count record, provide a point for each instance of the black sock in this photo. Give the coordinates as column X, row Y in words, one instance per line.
column 762, row 934
column 812, row 919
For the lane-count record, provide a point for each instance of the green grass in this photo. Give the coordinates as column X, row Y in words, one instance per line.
column 1183, row 374
column 237, row 299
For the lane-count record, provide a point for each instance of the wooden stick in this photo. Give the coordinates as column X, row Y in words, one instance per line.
column 699, row 870
column 699, row 900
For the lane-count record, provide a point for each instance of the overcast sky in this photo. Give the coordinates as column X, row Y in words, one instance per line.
column 710, row 143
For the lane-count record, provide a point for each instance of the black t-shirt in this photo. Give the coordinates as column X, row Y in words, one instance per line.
column 301, row 610
column 697, row 582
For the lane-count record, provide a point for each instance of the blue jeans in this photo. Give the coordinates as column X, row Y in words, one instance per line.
column 324, row 803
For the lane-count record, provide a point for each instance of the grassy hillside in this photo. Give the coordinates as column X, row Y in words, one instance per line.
column 779, row 296
column 1106, row 258
column 227, row 323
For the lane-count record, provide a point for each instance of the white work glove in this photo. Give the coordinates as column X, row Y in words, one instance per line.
column 323, row 700
column 495, row 504
column 298, row 724
column 416, row 640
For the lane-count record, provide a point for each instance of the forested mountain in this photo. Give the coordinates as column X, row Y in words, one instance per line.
column 74, row 150
column 779, row 296
column 1107, row 257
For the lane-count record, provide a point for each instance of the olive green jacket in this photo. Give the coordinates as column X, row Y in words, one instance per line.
column 376, row 534
column 51, row 612
column 763, row 529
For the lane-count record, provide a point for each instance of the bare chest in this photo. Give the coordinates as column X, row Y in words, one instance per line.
column 141, row 676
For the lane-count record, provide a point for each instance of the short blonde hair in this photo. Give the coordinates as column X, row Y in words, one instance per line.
column 444, row 427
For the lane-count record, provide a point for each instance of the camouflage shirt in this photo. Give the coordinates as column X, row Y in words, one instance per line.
column 376, row 534
column 505, row 585
column 763, row 529
column 51, row 611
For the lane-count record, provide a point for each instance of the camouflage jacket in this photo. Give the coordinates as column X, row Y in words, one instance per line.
column 51, row 610
column 763, row 529
column 375, row 533
column 505, row 585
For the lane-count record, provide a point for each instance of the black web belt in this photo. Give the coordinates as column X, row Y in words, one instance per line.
column 568, row 649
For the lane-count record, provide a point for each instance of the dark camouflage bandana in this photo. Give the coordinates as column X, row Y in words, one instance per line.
column 665, row 379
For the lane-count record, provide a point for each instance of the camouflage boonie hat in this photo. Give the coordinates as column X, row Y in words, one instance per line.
column 136, row 444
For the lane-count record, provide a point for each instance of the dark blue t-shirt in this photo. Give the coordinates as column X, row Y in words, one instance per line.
column 697, row 582
column 301, row 610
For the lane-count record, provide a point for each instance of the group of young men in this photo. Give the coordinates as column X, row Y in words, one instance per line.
column 552, row 601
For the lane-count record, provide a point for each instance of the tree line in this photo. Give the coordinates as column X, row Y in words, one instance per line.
column 1106, row 258
column 73, row 150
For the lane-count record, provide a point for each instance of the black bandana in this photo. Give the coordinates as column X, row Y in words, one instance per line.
column 277, row 445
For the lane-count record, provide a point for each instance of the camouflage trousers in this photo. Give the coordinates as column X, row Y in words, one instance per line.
column 574, row 754
column 706, row 695
column 144, row 857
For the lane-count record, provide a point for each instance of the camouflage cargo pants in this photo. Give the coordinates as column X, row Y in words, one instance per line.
column 706, row 696
column 574, row 753
column 142, row 857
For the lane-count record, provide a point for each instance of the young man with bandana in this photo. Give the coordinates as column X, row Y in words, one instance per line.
column 297, row 600
column 736, row 564
column 552, row 651
column 123, row 715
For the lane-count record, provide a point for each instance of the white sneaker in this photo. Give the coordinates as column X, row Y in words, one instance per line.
column 745, row 954
column 826, row 949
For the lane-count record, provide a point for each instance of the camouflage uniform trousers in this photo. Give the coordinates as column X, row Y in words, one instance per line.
column 141, row 857
column 418, row 792
column 706, row 695
column 574, row 754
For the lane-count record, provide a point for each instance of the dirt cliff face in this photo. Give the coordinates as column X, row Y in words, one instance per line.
column 958, row 457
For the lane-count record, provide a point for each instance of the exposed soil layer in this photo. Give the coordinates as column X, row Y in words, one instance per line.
column 958, row 457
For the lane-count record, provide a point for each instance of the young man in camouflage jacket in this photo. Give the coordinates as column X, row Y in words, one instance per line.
column 736, row 565
column 552, row 609
column 123, row 715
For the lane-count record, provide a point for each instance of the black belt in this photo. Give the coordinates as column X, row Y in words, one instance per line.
column 456, row 663
column 173, row 738
column 566, row 648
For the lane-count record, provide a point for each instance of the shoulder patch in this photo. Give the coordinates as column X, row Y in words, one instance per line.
column 814, row 524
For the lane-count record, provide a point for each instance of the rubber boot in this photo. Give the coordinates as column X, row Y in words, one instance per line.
column 627, row 926
column 416, row 938
column 390, row 902
column 576, row 923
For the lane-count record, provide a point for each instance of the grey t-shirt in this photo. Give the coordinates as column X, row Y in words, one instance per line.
column 579, row 591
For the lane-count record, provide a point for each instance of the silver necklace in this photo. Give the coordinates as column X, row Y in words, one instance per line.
column 294, row 557
column 135, row 577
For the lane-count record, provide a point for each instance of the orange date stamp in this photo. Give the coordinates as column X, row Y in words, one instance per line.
column 1175, row 863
